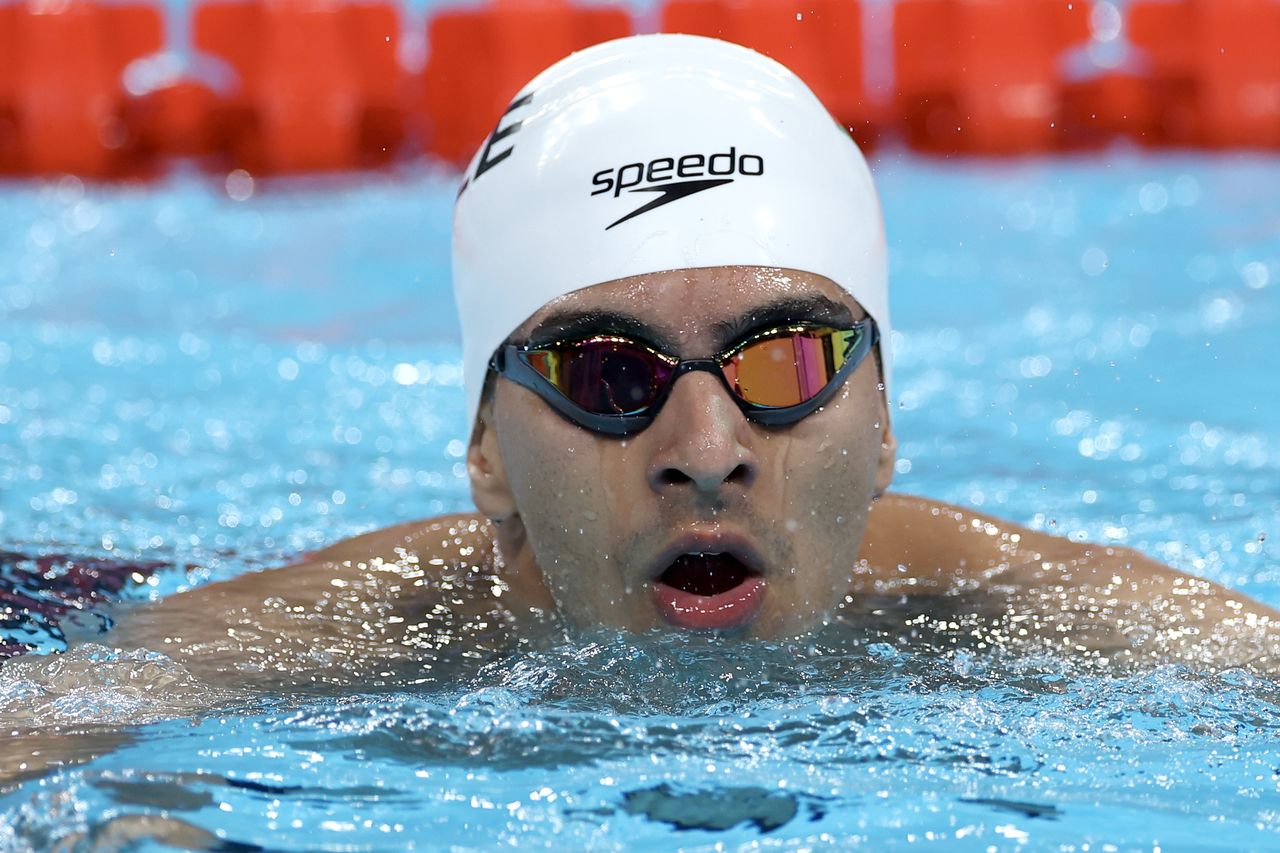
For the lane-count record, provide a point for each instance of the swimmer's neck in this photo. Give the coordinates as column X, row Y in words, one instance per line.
column 514, row 561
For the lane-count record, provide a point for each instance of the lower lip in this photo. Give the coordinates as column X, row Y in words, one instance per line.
column 731, row 609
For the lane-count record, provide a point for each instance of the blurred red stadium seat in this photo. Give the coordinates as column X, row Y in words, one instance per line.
column 983, row 76
column 820, row 40
column 319, row 82
column 319, row 85
column 1214, row 70
column 63, row 104
column 478, row 58
column 1113, row 104
column 179, row 120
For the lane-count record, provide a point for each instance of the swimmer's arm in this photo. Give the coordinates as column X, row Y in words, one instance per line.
column 1168, row 608
column 1130, row 576
column 386, row 542
column 1162, row 613
column 915, row 543
column 299, row 624
column 296, row 626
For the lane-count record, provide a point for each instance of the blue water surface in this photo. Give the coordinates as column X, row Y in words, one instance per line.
column 1084, row 345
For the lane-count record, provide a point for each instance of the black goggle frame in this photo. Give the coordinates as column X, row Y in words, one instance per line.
column 512, row 361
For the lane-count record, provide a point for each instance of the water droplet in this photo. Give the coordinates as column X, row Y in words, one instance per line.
column 1094, row 262
column 240, row 185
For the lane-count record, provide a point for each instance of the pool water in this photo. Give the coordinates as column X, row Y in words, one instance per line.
column 193, row 387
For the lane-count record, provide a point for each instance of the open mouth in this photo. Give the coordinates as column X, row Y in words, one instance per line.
column 705, row 574
column 703, row 590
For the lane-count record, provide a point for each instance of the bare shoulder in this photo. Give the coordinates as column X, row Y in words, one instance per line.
column 457, row 538
column 1093, row 595
column 393, row 597
column 377, row 564
column 938, row 543
column 926, row 538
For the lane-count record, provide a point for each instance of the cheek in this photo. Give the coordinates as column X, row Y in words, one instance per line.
column 569, row 485
column 830, row 469
column 550, row 467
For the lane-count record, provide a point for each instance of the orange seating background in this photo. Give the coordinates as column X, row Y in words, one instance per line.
column 1216, row 66
column 820, row 40
column 479, row 59
column 62, row 106
column 320, row 84
column 984, row 75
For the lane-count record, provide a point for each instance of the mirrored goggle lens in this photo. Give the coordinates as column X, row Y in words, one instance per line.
column 604, row 375
column 791, row 367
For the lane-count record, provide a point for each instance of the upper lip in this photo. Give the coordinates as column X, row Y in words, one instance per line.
column 718, row 541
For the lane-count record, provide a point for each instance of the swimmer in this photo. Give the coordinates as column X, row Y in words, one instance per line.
column 671, row 272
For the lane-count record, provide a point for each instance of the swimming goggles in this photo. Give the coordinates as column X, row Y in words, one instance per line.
column 616, row 385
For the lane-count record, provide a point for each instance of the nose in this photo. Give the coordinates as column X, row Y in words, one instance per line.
column 703, row 441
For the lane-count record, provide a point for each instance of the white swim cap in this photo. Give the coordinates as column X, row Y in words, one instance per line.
column 653, row 153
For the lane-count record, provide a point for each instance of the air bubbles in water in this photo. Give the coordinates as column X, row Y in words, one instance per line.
column 1153, row 197
column 1094, row 261
column 239, row 185
column 1256, row 275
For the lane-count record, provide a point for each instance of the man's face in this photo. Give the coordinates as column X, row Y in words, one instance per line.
column 608, row 520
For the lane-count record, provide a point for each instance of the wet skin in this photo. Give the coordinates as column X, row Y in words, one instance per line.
column 574, row 527
column 598, row 518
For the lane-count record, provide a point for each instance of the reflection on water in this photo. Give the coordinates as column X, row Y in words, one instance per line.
column 845, row 734
column 942, row 708
column 197, row 382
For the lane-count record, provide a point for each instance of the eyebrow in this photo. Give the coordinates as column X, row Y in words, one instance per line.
column 570, row 324
column 815, row 308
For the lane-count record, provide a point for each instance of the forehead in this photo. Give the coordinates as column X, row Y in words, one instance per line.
column 689, row 301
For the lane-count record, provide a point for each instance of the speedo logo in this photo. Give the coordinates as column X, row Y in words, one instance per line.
column 674, row 178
